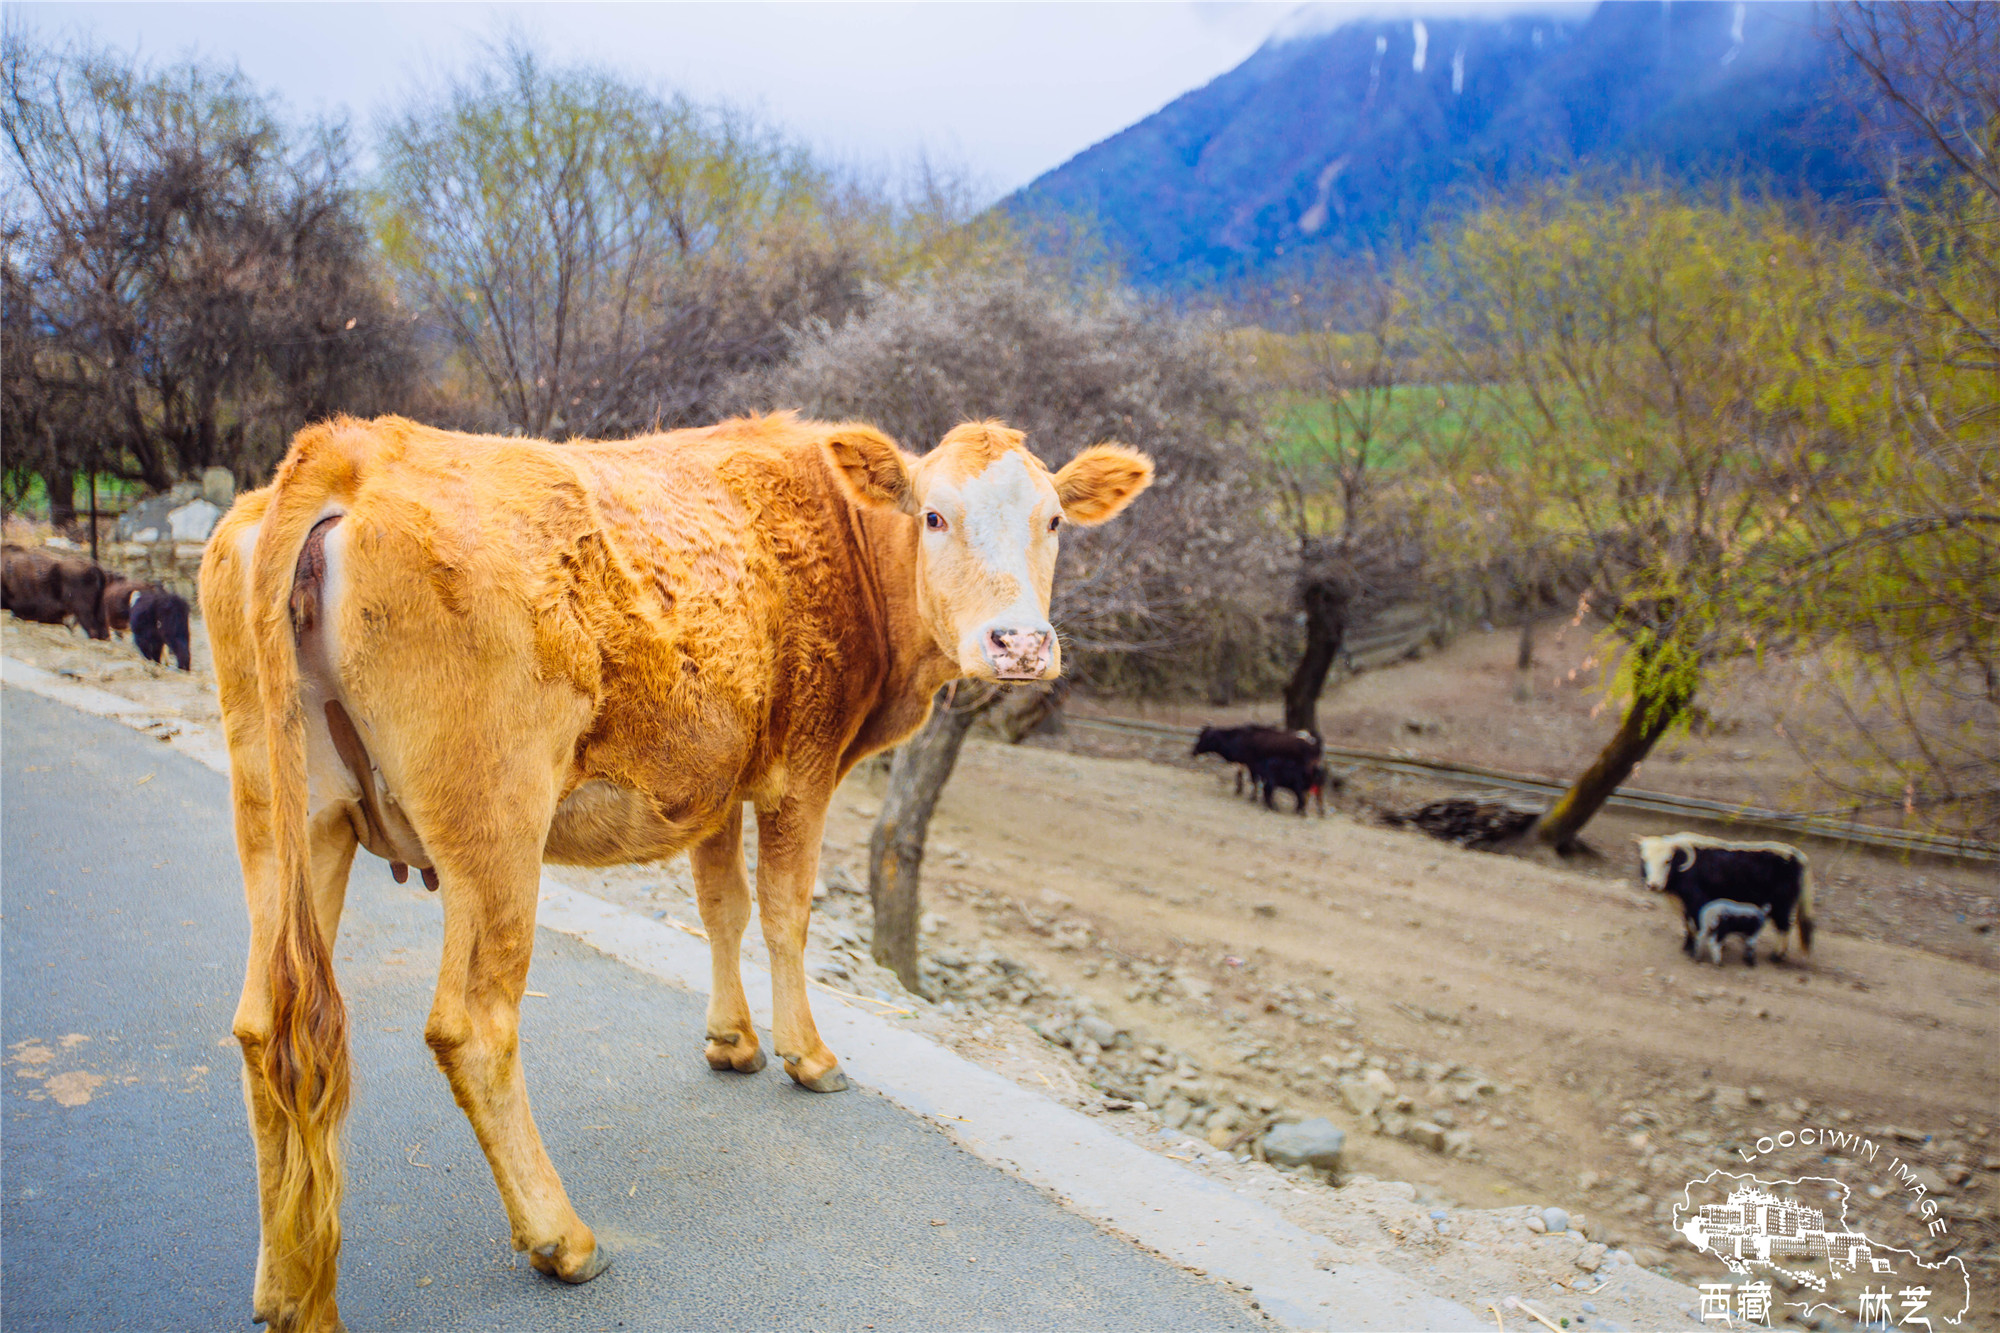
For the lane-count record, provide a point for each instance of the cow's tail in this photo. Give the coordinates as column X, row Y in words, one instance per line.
column 305, row 1062
column 1805, row 904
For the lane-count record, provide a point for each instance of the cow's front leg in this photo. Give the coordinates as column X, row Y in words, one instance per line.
column 724, row 892
column 787, row 862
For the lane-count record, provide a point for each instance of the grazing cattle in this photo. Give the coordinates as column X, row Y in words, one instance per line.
column 1698, row 870
column 473, row 654
column 1247, row 746
column 1300, row 777
column 159, row 622
column 1720, row 918
column 118, row 595
column 53, row 589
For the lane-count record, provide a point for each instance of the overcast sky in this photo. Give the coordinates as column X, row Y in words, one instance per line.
column 1003, row 91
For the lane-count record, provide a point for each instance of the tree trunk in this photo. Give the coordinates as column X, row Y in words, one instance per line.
column 60, row 483
column 1326, row 627
column 917, row 775
column 1524, row 653
column 1643, row 724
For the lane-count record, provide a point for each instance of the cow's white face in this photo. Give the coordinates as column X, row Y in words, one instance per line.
column 1656, row 860
column 990, row 517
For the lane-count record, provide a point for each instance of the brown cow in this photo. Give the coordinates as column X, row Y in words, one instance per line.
column 473, row 654
column 40, row 585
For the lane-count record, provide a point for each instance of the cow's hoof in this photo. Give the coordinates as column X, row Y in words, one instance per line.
column 729, row 1054
column 830, row 1079
column 544, row 1259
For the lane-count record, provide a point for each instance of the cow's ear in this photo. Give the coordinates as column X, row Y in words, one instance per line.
column 1100, row 481
column 871, row 468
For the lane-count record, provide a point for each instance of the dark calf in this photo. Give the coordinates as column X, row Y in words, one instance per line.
column 118, row 595
column 1300, row 777
column 43, row 586
column 159, row 622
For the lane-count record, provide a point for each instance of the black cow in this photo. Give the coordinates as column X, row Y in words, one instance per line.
column 40, row 585
column 1698, row 871
column 159, row 622
column 1246, row 747
column 1720, row 918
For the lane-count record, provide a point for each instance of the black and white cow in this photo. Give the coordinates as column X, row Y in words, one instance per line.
column 1720, row 918
column 1699, row 870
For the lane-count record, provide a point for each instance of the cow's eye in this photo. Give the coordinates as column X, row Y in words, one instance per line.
column 1055, row 522
column 934, row 520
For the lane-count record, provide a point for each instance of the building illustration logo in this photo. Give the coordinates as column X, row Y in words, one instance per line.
column 1788, row 1256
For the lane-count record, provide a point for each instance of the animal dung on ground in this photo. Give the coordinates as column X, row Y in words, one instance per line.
column 1469, row 821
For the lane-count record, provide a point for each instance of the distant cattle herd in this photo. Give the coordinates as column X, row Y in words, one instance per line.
column 1725, row 889
column 55, row 588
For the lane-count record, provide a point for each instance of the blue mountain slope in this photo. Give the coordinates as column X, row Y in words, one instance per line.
column 1364, row 136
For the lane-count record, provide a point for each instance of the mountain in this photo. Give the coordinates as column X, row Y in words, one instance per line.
column 1363, row 136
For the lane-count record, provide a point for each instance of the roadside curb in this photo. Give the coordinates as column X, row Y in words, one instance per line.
column 1121, row 1186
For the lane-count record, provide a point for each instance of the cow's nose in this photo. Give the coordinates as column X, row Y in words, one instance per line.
column 1019, row 652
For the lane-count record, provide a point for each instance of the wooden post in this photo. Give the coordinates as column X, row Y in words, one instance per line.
column 93, row 516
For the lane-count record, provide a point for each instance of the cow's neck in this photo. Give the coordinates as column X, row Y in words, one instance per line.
column 913, row 666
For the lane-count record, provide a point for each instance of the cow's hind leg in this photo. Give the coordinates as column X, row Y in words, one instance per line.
column 724, row 893
column 490, row 875
column 282, row 1279
column 787, row 861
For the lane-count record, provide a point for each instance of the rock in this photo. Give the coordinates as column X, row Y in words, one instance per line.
column 1402, row 1189
column 1426, row 1135
column 218, row 486
column 1316, row 1143
column 1536, row 1224
column 1647, row 1257
column 1591, row 1258
column 1100, row 1030
column 1360, row 1098
column 1729, row 1099
column 1588, row 1308
column 1368, row 1093
column 1458, row 1142
column 1622, row 1257
column 1391, row 1125
column 1555, row 1219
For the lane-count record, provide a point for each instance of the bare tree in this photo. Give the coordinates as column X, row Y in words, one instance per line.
column 604, row 257
column 1348, row 433
column 195, row 273
column 1070, row 372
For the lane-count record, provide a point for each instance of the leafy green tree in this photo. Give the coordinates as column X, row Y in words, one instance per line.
column 1904, row 583
column 1664, row 364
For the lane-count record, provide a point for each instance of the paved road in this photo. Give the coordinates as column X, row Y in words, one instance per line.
column 728, row 1202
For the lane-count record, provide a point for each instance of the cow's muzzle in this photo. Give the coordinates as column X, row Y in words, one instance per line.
column 1019, row 654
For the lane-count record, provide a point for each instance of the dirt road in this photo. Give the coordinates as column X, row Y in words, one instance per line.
column 1623, row 1070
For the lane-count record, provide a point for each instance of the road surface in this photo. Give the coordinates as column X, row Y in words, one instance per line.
column 727, row 1202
